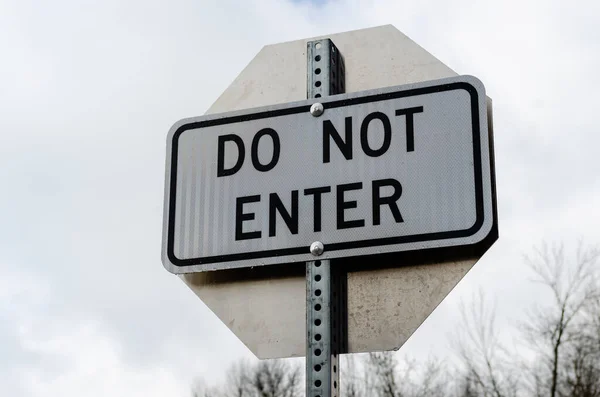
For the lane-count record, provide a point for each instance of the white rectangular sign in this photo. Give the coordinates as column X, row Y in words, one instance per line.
column 396, row 169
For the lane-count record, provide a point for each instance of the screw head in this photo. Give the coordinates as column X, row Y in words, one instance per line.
column 317, row 248
column 317, row 109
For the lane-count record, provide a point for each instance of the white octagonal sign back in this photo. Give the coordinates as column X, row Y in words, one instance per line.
column 359, row 177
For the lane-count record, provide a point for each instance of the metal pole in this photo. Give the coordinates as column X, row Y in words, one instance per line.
column 322, row 376
column 324, row 287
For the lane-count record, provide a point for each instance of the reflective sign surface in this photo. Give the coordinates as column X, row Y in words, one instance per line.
column 397, row 169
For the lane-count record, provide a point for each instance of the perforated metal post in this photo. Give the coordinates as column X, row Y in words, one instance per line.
column 322, row 377
column 324, row 285
column 326, row 70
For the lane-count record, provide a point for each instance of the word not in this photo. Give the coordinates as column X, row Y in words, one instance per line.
column 330, row 133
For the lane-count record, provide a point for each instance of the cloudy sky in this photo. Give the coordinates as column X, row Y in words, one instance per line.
column 88, row 91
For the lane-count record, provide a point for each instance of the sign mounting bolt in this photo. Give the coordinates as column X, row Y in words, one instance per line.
column 317, row 248
column 317, row 109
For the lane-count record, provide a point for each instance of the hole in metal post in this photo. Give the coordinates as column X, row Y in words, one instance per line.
column 317, row 368
column 334, row 368
column 317, row 352
column 318, row 96
column 334, row 384
column 318, row 337
column 317, row 383
column 317, row 322
column 317, row 71
column 318, row 307
column 317, row 263
column 318, row 277
column 318, row 292
column 317, row 84
column 317, row 58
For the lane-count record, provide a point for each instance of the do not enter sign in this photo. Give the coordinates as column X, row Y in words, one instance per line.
column 397, row 169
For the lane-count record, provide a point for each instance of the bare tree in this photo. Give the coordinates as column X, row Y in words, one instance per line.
column 581, row 369
column 383, row 367
column 201, row 389
column 485, row 367
column 555, row 331
column 276, row 378
column 424, row 379
column 386, row 376
column 351, row 383
column 270, row 378
column 238, row 380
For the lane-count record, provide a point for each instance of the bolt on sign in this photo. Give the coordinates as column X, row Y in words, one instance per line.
column 380, row 171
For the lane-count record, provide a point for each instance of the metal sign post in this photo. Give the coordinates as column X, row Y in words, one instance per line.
column 322, row 375
column 324, row 314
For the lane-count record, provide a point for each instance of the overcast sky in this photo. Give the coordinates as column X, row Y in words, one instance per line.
column 88, row 91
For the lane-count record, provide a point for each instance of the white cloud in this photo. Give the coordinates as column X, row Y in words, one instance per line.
column 90, row 363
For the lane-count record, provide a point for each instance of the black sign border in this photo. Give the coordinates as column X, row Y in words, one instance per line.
column 479, row 205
